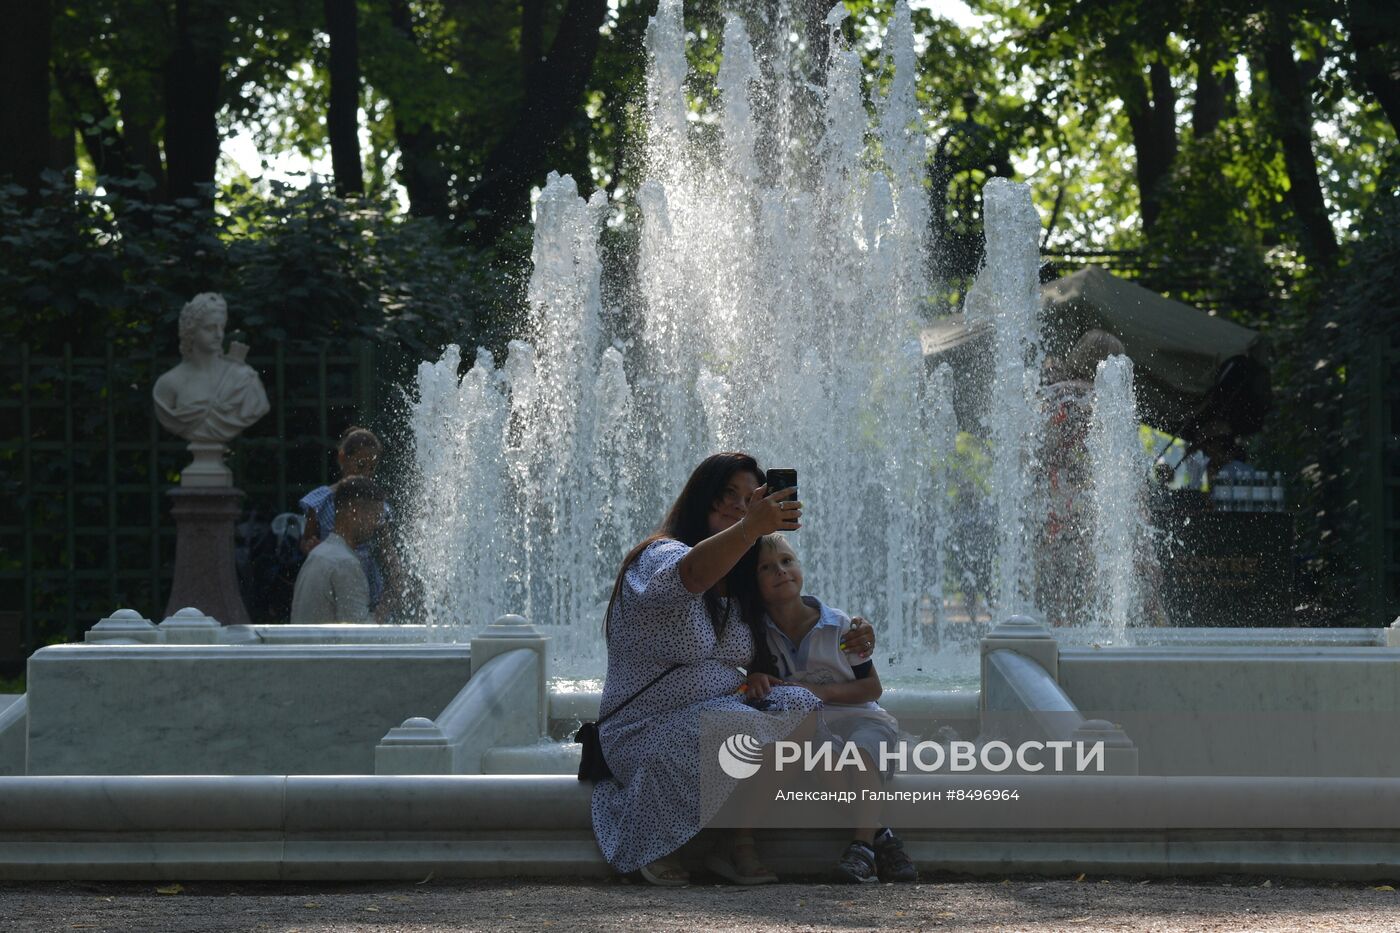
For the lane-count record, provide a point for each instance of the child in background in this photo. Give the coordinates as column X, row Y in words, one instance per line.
column 357, row 455
column 331, row 586
column 805, row 643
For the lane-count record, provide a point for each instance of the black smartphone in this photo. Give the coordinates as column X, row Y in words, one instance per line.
column 782, row 479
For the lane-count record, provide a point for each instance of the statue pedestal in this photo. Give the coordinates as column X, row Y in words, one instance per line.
column 204, row 569
column 207, row 467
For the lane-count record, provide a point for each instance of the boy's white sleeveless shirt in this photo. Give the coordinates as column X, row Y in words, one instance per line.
column 818, row 659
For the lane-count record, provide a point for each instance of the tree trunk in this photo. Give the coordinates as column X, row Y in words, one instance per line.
column 1150, row 105
column 520, row 158
column 1374, row 30
column 25, row 43
column 1163, row 111
column 192, row 76
column 343, row 115
column 96, row 124
column 1208, row 108
column 424, row 176
column 1292, row 121
column 142, row 144
column 63, row 151
column 139, row 103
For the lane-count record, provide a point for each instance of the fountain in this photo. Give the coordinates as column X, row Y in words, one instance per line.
column 779, row 312
column 781, row 282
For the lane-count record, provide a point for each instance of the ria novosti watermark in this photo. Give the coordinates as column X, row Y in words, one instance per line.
column 1100, row 770
column 741, row 755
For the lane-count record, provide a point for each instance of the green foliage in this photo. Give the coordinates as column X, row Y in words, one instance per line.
column 298, row 267
column 1067, row 65
column 617, row 100
column 1371, row 295
column 1224, row 223
column 1331, row 365
column 1368, row 310
column 460, row 74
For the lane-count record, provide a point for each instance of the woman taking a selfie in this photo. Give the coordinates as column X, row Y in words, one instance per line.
column 675, row 643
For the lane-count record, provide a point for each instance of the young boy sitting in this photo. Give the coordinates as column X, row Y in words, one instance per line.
column 806, row 646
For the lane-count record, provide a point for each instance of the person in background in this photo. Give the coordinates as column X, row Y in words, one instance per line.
column 331, row 586
column 1215, row 454
column 1225, row 457
column 1064, row 555
column 357, row 455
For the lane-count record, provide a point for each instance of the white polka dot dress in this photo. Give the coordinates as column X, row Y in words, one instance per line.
column 652, row 805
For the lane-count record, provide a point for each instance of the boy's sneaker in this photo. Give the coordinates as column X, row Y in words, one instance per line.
column 857, row 865
column 891, row 861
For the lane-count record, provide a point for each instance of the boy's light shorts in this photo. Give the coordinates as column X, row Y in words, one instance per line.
column 868, row 735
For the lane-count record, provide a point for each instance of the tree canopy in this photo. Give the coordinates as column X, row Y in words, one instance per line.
column 1180, row 123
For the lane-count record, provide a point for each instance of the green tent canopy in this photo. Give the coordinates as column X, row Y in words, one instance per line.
column 1191, row 366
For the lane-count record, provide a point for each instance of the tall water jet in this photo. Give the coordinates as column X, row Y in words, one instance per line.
column 903, row 143
column 1119, row 471
column 783, row 306
column 1008, row 290
column 943, row 440
column 459, row 427
column 523, row 472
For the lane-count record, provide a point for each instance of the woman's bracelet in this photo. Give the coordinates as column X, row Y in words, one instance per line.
column 744, row 531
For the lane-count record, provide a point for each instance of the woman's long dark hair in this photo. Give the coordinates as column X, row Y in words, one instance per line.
column 743, row 585
column 688, row 522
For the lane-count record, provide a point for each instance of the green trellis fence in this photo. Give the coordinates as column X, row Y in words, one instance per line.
column 1380, row 493
column 84, row 466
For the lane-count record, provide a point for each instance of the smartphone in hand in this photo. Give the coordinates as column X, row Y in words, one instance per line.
column 782, row 479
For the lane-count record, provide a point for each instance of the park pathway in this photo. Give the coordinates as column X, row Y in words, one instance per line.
column 1020, row 904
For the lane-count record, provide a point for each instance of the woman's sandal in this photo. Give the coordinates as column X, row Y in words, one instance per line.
column 665, row 872
column 738, row 862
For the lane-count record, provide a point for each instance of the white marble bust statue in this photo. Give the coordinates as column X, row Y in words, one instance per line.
column 208, row 398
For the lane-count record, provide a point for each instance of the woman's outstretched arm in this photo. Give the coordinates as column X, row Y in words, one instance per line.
column 708, row 562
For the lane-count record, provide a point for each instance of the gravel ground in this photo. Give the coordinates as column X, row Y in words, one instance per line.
column 1022, row 904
